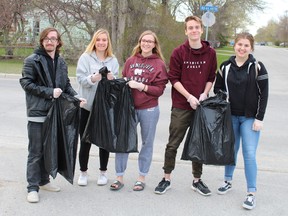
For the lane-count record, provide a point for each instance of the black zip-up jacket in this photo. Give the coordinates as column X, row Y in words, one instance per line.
column 250, row 98
column 38, row 84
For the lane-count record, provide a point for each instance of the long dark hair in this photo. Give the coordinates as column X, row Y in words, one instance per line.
column 44, row 34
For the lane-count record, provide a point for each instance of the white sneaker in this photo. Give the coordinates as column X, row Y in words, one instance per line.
column 33, row 197
column 83, row 179
column 102, row 179
column 50, row 187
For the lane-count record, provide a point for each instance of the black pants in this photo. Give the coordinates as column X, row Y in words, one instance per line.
column 85, row 146
column 36, row 173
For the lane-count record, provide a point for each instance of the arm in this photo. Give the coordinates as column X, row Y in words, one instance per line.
column 83, row 73
column 219, row 82
column 211, row 77
column 263, row 88
column 33, row 82
column 157, row 86
column 175, row 74
column 204, row 95
column 193, row 101
column 114, row 69
column 157, row 81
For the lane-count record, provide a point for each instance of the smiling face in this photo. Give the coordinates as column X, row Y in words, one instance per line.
column 101, row 43
column 147, row 43
column 193, row 30
column 242, row 48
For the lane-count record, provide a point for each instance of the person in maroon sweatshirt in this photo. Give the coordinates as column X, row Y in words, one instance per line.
column 192, row 72
column 148, row 77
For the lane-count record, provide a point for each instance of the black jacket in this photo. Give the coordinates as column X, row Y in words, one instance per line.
column 253, row 97
column 38, row 84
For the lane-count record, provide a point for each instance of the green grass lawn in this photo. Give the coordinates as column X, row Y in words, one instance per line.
column 14, row 66
column 11, row 66
column 224, row 54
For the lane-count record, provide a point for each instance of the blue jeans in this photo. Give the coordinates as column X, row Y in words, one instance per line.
column 36, row 172
column 148, row 119
column 242, row 127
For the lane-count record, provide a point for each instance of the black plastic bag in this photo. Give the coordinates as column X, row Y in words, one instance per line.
column 210, row 139
column 112, row 120
column 60, row 137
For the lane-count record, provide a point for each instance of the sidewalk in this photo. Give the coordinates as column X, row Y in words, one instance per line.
column 97, row 200
column 73, row 200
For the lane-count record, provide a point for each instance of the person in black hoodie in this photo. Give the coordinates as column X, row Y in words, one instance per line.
column 246, row 82
column 44, row 77
column 192, row 72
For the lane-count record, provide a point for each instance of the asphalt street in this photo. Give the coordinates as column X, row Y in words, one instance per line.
column 180, row 199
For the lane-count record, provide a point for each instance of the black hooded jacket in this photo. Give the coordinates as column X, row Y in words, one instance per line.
column 247, row 88
column 38, row 82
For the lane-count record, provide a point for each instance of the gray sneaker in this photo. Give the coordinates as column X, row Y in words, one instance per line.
column 201, row 188
column 227, row 186
column 250, row 202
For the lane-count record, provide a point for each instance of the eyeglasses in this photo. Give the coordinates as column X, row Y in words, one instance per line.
column 147, row 41
column 53, row 40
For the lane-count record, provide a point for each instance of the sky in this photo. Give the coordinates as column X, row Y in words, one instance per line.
column 274, row 9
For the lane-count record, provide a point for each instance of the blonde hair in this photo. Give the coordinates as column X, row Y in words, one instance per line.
column 156, row 50
column 91, row 46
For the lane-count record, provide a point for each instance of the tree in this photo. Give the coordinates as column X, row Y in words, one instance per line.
column 275, row 31
column 77, row 20
column 12, row 22
column 228, row 23
column 118, row 23
column 283, row 29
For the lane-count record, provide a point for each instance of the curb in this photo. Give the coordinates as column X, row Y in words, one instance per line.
column 10, row 76
column 18, row 76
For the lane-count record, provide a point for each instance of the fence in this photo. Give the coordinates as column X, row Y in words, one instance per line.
column 16, row 51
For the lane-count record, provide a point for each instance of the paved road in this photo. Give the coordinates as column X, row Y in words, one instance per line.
column 180, row 200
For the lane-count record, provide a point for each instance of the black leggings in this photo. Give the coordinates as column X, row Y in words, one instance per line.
column 85, row 146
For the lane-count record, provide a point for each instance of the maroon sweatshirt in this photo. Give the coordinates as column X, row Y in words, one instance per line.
column 151, row 71
column 193, row 68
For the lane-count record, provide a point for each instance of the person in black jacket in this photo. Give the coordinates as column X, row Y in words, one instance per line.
column 246, row 82
column 44, row 78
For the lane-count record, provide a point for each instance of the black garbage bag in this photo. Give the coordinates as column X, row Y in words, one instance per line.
column 60, row 136
column 112, row 121
column 210, row 139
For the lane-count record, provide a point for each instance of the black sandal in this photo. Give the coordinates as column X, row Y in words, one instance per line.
column 117, row 185
column 139, row 186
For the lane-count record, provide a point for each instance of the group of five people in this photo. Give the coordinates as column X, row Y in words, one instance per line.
column 192, row 71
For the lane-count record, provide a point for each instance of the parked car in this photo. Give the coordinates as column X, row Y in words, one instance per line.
column 262, row 43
